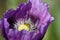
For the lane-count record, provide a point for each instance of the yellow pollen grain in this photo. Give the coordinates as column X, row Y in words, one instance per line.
column 23, row 27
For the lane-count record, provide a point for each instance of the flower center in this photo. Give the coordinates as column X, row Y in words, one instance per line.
column 24, row 24
column 23, row 27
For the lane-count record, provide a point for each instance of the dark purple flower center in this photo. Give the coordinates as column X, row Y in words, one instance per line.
column 11, row 22
column 28, row 23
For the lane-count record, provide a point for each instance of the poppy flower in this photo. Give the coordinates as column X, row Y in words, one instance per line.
column 29, row 21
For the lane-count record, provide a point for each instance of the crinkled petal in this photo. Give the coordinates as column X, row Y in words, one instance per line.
column 39, row 8
column 9, row 13
column 29, row 36
column 16, row 35
column 43, row 28
column 5, row 27
column 21, row 11
column 10, row 34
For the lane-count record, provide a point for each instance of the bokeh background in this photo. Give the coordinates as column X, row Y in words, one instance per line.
column 53, row 32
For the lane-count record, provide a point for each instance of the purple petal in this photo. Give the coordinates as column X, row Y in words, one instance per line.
column 16, row 35
column 5, row 27
column 44, row 27
column 9, row 13
column 22, row 10
column 39, row 8
column 29, row 36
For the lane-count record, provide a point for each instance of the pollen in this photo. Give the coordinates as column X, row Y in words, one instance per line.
column 23, row 27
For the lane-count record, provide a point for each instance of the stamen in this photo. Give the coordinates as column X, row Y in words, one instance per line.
column 25, row 25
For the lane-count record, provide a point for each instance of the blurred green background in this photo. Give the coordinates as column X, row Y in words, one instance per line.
column 53, row 32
